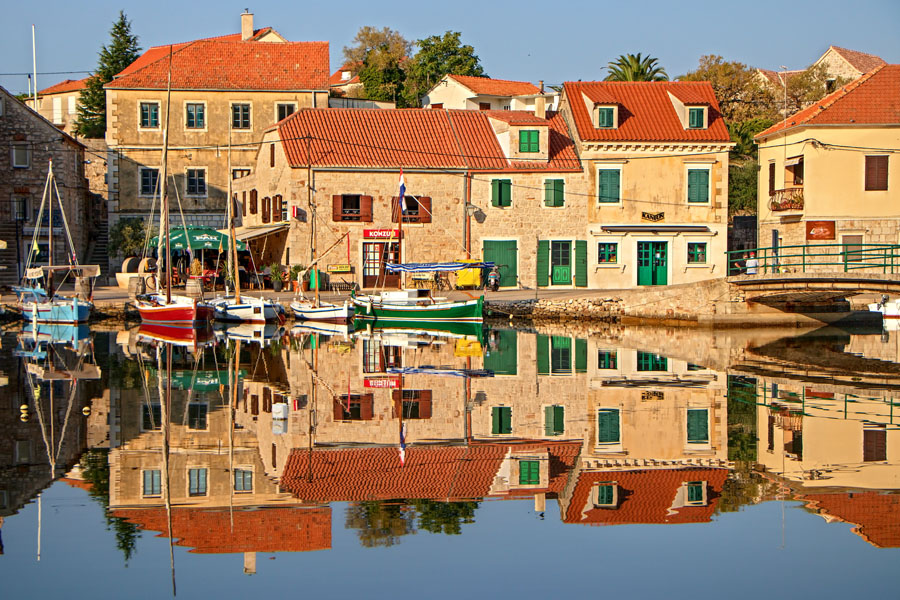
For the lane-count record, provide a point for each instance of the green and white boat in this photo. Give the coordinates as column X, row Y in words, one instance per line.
column 410, row 306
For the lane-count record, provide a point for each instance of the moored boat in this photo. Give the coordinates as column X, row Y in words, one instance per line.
column 246, row 309
column 176, row 311
column 388, row 308
column 309, row 310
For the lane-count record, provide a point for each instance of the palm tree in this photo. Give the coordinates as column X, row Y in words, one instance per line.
column 634, row 67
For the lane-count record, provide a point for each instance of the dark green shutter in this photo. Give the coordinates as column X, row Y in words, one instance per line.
column 554, row 420
column 609, row 185
column 501, row 419
column 549, row 425
column 696, row 118
column 560, row 190
column 543, row 262
column 608, row 426
column 581, row 268
column 495, row 192
column 580, row 355
column 698, row 185
column 549, row 199
column 554, row 192
column 506, row 192
column 543, row 354
column 605, row 494
column 698, row 426
column 502, row 359
column 695, row 491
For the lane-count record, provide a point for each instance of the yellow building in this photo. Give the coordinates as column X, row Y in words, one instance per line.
column 59, row 103
column 826, row 173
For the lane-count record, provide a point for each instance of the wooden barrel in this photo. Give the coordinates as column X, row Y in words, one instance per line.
column 83, row 288
column 193, row 288
column 136, row 287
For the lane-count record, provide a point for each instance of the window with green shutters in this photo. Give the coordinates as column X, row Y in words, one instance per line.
column 543, row 353
column 695, row 492
column 580, row 355
column 243, row 480
column 554, row 420
column 698, row 426
column 609, row 186
column 501, row 420
column 501, row 357
column 501, row 192
column 698, row 185
column 608, row 253
column 554, row 192
column 543, row 263
column 581, row 267
column 647, row 361
column 560, row 355
column 607, row 359
column 696, row 118
column 605, row 494
column 608, row 426
column 529, row 141
column 152, row 483
column 529, row 472
column 696, row 253
column 605, row 116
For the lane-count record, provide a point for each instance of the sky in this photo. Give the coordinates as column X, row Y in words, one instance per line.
column 527, row 41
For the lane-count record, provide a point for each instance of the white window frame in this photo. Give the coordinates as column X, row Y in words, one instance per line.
column 709, row 192
column 596, row 116
column 72, row 105
column 205, row 116
column 277, row 104
column 158, row 115
column 703, row 502
column 141, row 170
column 695, row 265
column 231, row 106
column 705, row 110
column 12, row 158
column 57, row 110
column 188, row 481
column 187, row 171
column 610, row 167
column 616, row 241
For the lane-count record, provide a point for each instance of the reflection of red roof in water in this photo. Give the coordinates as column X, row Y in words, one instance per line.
column 645, row 496
column 433, row 472
column 875, row 514
column 209, row 531
column 78, row 483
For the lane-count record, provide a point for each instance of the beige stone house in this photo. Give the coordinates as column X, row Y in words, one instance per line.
column 225, row 93
column 31, row 142
column 655, row 159
column 828, row 174
column 59, row 103
column 839, row 63
column 483, row 93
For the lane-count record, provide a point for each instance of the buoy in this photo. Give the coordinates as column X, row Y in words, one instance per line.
column 23, row 408
column 23, row 417
column 86, row 411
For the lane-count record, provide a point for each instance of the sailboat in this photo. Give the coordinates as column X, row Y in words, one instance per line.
column 314, row 309
column 165, row 308
column 38, row 301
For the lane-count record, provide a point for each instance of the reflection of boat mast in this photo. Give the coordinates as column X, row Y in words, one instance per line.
column 233, row 374
column 165, row 398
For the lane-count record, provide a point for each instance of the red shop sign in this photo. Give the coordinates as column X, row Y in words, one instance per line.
column 381, row 234
column 388, row 383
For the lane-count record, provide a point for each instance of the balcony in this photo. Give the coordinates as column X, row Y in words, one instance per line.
column 786, row 199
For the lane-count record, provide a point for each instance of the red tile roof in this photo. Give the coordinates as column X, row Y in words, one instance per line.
column 873, row 99
column 645, row 496
column 496, row 87
column 515, row 117
column 774, row 77
column 875, row 514
column 860, row 61
column 336, row 78
column 229, row 65
column 422, row 138
column 431, row 472
column 82, row 484
column 266, row 529
column 646, row 113
column 69, row 85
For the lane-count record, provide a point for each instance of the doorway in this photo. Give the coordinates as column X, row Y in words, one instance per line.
column 561, row 263
column 375, row 256
column 653, row 265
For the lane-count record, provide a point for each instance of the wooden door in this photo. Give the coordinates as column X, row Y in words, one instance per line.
column 375, row 256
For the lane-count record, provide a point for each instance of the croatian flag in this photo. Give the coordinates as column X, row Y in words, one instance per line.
column 402, row 199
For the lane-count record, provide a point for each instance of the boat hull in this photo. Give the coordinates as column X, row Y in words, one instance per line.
column 181, row 312
column 70, row 311
column 327, row 313
column 469, row 311
column 249, row 310
column 173, row 334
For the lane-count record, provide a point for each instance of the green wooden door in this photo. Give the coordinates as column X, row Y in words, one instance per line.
column 653, row 264
column 561, row 263
column 503, row 253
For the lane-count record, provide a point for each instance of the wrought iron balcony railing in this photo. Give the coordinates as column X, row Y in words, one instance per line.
column 787, row 199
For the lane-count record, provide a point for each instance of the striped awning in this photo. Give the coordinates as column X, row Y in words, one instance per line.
column 431, row 267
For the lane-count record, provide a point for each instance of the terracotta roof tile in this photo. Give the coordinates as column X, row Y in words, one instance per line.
column 431, row 472
column 872, row 99
column 496, row 87
column 69, row 85
column 775, row 77
column 420, row 138
column 860, row 61
column 645, row 496
column 230, row 65
column 337, row 79
column 266, row 529
column 515, row 117
column 875, row 514
column 646, row 113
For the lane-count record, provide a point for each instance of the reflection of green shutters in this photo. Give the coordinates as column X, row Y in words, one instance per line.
column 609, row 185
column 580, row 355
column 554, row 420
column 560, row 355
column 581, row 274
column 529, row 472
column 554, row 192
column 501, row 192
column 605, row 494
column 698, row 426
column 695, row 491
column 608, row 426
column 647, row 361
column 502, row 359
column 501, row 419
column 504, row 254
column 543, row 262
column 543, row 354
column 698, row 185
column 606, row 359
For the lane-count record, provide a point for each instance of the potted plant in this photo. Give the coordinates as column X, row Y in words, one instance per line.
column 295, row 275
column 277, row 276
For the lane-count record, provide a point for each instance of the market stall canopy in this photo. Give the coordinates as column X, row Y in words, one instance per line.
column 248, row 233
column 198, row 238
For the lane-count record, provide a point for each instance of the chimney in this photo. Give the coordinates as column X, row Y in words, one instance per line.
column 541, row 85
column 246, row 25
column 249, row 563
column 540, row 107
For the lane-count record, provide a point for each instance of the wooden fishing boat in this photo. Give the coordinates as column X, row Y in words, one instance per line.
column 403, row 306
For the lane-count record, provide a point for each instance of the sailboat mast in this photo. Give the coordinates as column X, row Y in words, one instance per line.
column 164, row 209
column 313, row 229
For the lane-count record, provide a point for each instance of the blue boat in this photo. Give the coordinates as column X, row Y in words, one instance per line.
column 38, row 307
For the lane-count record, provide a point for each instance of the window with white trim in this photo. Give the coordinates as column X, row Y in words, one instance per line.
column 284, row 109
column 240, row 115
column 195, row 115
column 152, row 482
column 149, row 115
column 197, row 482
column 243, row 480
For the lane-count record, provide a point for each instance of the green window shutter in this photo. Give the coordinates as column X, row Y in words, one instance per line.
column 549, row 198
column 605, row 494
column 502, row 360
column 505, row 419
column 695, row 491
column 698, row 426
column 495, row 192
column 559, row 186
column 523, row 141
column 581, row 267
column 609, row 185
column 505, row 192
column 604, row 117
column 549, row 424
column 608, row 426
column 529, row 472
column 559, row 420
column 543, row 354
column 580, row 355
column 543, row 263
column 696, row 118
column 698, row 185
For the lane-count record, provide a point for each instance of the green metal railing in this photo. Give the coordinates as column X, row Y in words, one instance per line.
column 816, row 258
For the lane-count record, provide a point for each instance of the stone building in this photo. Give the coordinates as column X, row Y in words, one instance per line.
column 59, row 103
column 32, row 142
column 839, row 63
column 655, row 159
column 225, row 92
column 828, row 175
column 483, row 93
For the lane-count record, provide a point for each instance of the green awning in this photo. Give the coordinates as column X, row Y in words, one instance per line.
column 197, row 238
column 202, row 380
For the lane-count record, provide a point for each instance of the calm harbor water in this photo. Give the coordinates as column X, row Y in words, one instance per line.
column 635, row 461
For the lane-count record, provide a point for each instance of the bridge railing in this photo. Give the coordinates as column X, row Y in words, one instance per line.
column 816, row 258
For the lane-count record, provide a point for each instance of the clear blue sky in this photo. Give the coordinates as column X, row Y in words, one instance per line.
column 552, row 41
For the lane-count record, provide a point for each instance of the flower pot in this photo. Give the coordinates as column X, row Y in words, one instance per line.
column 295, row 285
column 306, row 286
column 277, row 284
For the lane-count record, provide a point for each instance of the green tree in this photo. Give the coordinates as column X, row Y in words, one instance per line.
column 127, row 237
column 393, row 46
column 382, row 77
column 439, row 56
column 444, row 517
column 123, row 49
column 95, row 470
column 806, row 88
column 741, row 93
column 380, row 523
column 742, row 134
column 635, row 67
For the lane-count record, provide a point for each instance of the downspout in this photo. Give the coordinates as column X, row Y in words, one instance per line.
column 468, row 216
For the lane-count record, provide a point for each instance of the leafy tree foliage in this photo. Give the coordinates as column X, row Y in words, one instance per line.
column 382, row 77
column 127, row 237
column 123, row 49
column 439, row 56
column 635, row 67
column 444, row 517
column 392, row 46
column 741, row 94
column 95, row 469
column 380, row 523
column 743, row 132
